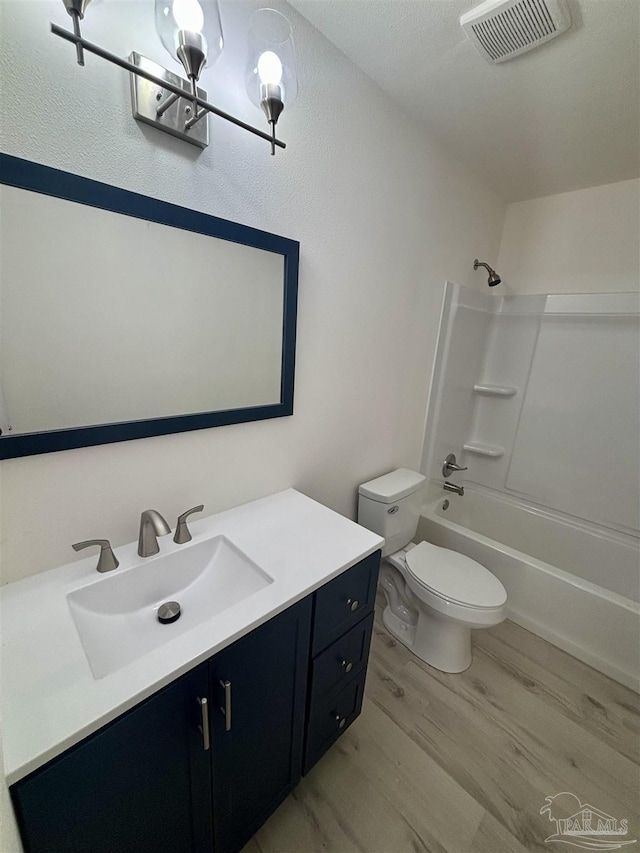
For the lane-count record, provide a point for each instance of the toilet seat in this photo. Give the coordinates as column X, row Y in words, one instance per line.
column 454, row 577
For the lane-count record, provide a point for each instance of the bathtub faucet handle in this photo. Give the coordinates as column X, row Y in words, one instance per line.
column 450, row 465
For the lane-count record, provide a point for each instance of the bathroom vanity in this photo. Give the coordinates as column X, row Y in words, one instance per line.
column 198, row 758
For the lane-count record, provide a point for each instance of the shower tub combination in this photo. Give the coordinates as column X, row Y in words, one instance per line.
column 539, row 399
column 552, row 569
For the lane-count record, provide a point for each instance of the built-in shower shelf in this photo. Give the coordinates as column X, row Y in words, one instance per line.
column 492, row 450
column 488, row 390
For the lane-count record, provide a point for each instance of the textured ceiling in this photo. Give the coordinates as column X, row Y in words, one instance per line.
column 563, row 117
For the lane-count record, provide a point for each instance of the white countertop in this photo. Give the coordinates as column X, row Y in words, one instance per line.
column 50, row 699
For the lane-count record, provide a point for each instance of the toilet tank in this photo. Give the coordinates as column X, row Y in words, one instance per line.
column 390, row 506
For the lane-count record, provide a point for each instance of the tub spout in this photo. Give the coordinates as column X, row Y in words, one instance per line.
column 451, row 487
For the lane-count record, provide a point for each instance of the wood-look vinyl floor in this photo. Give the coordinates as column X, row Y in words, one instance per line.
column 463, row 763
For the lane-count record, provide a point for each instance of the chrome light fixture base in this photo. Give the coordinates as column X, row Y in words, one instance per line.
column 148, row 100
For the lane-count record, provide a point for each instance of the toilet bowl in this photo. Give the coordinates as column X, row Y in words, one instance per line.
column 445, row 595
column 435, row 596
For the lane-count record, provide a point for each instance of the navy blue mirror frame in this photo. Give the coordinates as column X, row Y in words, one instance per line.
column 26, row 175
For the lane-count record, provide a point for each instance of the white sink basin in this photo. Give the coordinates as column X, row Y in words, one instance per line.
column 116, row 616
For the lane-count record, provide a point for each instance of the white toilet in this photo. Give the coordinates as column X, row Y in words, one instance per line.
column 434, row 596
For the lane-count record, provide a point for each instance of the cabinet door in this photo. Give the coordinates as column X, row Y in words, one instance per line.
column 258, row 690
column 143, row 783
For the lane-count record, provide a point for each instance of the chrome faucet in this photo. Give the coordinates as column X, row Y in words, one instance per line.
column 152, row 525
column 451, row 487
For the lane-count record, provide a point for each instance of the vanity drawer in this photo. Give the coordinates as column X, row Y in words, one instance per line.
column 342, row 661
column 330, row 717
column 343, row 601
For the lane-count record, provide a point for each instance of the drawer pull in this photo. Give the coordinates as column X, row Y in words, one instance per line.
column 348, row 666
column 340, row 721
column 353, row 604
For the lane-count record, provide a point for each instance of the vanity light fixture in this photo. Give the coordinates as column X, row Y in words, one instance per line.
column 271, row 65
column 191, row 32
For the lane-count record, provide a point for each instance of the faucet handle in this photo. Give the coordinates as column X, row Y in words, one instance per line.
column 450, row 465
column 182, row 533
column 107, row 561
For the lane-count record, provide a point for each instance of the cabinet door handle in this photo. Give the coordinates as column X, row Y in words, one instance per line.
column 204, row 728
column 348, row 666
column 353, row 604
column 226, row 685
column 340, row 720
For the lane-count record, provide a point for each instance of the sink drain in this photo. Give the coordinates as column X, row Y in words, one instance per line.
column 168, row 612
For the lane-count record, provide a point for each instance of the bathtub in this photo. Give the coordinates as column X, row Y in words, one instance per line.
column 552, row 569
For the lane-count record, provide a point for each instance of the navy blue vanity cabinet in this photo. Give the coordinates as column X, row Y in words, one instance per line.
column 341, row 637
column 258, row 689
column 173, row 775
column 142, row 784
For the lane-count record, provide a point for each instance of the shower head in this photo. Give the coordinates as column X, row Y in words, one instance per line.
column 494, row 278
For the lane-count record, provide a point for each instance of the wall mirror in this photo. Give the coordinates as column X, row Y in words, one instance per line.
column 124, row 317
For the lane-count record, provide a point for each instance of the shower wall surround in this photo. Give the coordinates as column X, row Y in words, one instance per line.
column 540, row 397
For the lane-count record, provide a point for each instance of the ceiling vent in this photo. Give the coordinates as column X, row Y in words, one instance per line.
column 503, row 29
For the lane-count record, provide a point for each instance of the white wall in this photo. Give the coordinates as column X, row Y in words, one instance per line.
column 383, row 217
column 586, row 241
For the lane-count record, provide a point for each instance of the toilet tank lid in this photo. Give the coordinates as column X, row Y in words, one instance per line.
column 393, row 486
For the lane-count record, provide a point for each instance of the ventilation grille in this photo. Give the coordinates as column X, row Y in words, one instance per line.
column 503, row 29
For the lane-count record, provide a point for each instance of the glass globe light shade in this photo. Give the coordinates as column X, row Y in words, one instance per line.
column 190, row 22
column 271, row 62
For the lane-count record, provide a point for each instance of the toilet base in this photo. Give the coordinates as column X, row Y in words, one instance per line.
column 440, row 642
column 400, row 630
